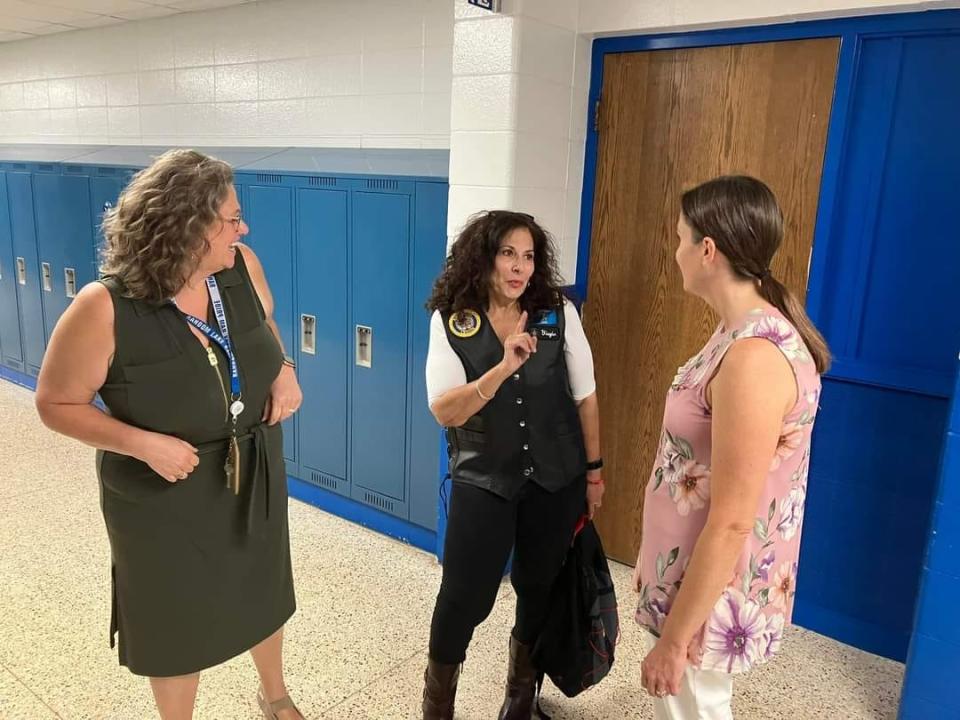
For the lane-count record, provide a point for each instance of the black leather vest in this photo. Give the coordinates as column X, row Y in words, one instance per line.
column 531, row 428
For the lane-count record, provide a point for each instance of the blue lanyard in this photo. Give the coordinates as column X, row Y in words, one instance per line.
column 221, row 338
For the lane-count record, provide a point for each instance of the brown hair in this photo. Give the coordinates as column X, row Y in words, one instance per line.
column 743, row 218
column 156, row 234
column 465, row 280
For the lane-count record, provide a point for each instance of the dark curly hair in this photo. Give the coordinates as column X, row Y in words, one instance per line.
column 465, row 280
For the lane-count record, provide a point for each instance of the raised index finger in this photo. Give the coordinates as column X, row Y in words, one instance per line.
column 521, row 323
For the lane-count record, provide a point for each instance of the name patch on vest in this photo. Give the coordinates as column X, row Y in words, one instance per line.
column 546, row 332
column 465, row 323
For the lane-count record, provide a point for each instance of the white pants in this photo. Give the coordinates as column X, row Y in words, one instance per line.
column 704, row 695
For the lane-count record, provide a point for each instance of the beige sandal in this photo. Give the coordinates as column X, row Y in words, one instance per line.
column 270, row 709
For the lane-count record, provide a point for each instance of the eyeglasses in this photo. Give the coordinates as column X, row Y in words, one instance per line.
column 237, row 221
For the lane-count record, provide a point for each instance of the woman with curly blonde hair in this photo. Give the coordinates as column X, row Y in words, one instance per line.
column 178, row 340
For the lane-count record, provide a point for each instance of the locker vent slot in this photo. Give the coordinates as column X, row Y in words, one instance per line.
column 383, row 185
column 19, row 166
column 378, row 501
column 265, row 179
column 45, row 168
column 106, row 171
column 323, row 182
column 73, row 169
column 323, row 480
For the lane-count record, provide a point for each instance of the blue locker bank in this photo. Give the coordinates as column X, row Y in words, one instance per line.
column 351, row 241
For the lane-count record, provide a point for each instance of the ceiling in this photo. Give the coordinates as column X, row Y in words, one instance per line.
column 24, row 19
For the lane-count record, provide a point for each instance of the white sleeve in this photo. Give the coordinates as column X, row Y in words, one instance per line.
column 444, row 369
column 578, row 355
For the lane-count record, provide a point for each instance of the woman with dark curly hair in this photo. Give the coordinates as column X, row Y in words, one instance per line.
column 179, row 342
column 510, row 375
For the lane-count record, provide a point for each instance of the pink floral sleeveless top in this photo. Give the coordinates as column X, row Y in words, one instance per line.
column 746, row 625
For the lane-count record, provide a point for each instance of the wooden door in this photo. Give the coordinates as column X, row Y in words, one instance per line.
column 669, row 120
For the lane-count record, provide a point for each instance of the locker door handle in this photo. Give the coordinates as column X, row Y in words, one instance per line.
column 21, row 271
column 364, row 346
column 308, row 334
column 70, row 281
column 47, row 279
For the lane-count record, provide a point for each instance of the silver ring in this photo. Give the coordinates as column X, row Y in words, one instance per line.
column 661, row 693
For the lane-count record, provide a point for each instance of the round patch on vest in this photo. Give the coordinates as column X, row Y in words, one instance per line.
column 465, row 323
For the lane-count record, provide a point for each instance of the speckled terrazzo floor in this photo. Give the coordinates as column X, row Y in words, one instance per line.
column 355, row 649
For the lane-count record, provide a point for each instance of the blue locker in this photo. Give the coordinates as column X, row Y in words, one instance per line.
column 429, row 251
column 64, row 240
column 322, row 335
column 269, row 214
column 29, row 295
column 104, row 192
column 380, row 291
column 11, row 349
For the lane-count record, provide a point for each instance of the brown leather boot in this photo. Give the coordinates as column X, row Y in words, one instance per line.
column 521, row 684
column 439, row 690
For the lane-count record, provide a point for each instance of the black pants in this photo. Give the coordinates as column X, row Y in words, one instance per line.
column 481, row 530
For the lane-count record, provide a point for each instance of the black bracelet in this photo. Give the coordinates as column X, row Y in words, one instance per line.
column 595, row 464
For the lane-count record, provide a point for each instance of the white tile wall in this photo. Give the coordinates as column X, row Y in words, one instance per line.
column 35, row 95
column 331, row 75
column 513, row 104
column 562, row 13
column 393, row 71
column 543, row 107
column 547, row 51
column 306, row 72
column 92, row 122
column 541, row 162
column 91, row 92
column 437, row 68
column 63, row 93
column 11, row 96
column 484, row 102
column 124, row 122
column 486, row 46
column 620, row 16
column 436, row 115
column 123, row 90
column 233, row 83
column 482, row 158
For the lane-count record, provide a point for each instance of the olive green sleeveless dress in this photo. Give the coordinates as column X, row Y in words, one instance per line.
column 200, row 574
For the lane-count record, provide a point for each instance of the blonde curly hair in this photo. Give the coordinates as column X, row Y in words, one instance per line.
column 156, row 235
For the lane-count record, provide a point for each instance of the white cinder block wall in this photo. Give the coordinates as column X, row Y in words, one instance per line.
column 345, row 73
column 518, row 115
column 507, row 92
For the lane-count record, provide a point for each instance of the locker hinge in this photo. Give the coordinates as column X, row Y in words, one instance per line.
column 596, row 116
